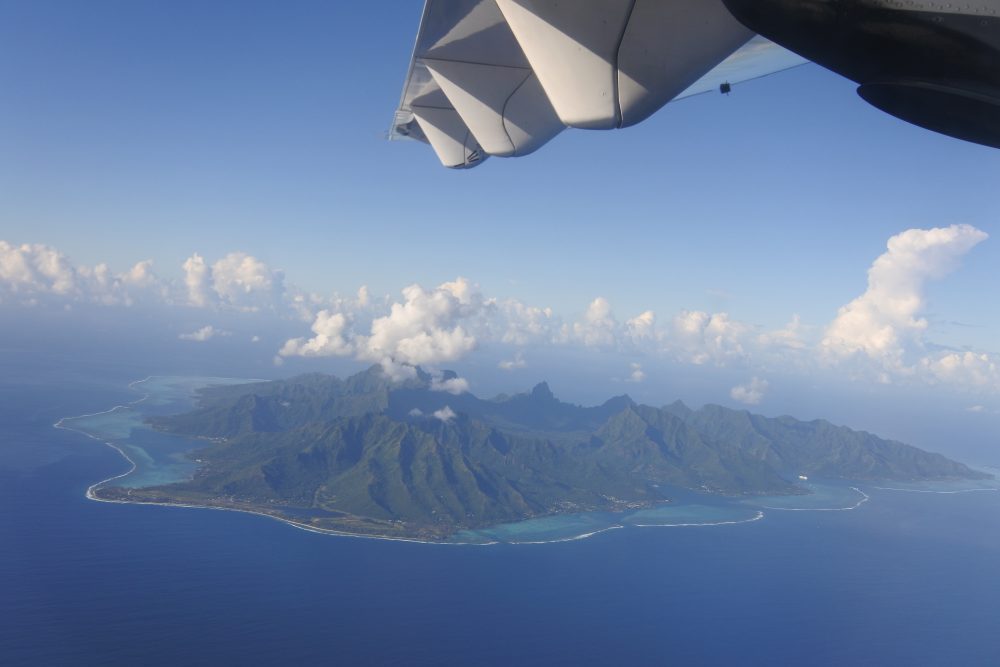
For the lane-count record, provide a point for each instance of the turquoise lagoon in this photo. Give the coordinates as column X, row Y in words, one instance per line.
column 157, row 458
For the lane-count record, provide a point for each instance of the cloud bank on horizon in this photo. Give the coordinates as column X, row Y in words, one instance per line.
column 881, row 335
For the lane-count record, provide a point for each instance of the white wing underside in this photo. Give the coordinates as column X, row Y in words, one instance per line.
column 503, row 77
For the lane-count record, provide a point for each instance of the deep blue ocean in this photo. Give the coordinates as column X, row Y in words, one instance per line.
column 906, row 579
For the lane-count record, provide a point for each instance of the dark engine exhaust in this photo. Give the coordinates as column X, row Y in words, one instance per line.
column 938, row 70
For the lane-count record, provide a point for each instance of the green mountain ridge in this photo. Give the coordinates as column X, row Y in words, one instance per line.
column 367, row 455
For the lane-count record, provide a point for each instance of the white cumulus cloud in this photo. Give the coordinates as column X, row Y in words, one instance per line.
column 751, row 393
column 238, row 280
column 203, row 334
column 244, row 281
column 36, row 268
column 521, row 324
column 791, row 337
column 637, row 374
column 598, row 326
column 453, row 385
column 882, row 335
column 33, row 272
column 511, row 364
column 198, row 280
column 445, row 414
column 642, row 327
column 329, row 338
column 967, row 369
column 885, row 324
column 700, row 337
column 428, row 327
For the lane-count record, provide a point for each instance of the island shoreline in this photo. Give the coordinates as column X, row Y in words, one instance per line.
column 93, row 493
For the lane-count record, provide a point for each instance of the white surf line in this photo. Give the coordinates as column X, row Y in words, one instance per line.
column 90, row 492
column 864, row 499
column 339, row 533
column 130, row 385
column 889, row 488
column 756, row 517
column 59, row 424
column 566, row 539
column 321, row 531
column 290, row 522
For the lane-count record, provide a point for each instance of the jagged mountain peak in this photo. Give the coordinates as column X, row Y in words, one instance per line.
column 617, row 403
column 542, row 391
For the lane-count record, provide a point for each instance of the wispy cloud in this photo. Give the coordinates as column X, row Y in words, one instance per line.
column 445, row 414
column 511, row 364
column 203, row 334
column 751, row 393
column 636, row 374
column 454, row 385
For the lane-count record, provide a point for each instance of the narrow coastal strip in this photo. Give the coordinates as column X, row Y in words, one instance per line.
column 90, row 493
column 132, row 465
column 131, row 386
column 566, row 539
column 756, row 517
column 290, row 522
column 337, row 533
column 889, row 488
column 864, row 499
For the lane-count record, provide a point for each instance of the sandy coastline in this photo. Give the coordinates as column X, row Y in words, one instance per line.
column 92, row 494
column 756, row 517
column 864, row 499
column 890, row 488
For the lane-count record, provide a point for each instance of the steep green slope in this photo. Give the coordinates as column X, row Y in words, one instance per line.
column 818, row 447
column 367, row 455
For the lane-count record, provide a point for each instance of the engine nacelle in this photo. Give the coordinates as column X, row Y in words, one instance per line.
column 936, row 69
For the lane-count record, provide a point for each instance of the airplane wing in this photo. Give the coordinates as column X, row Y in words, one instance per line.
column 503, row 77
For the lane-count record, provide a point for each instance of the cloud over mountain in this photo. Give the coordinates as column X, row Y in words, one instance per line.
column 329, row 338
column 751, row 393
column 428, row 327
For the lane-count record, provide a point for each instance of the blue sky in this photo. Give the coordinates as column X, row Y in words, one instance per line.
column 154, row 130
